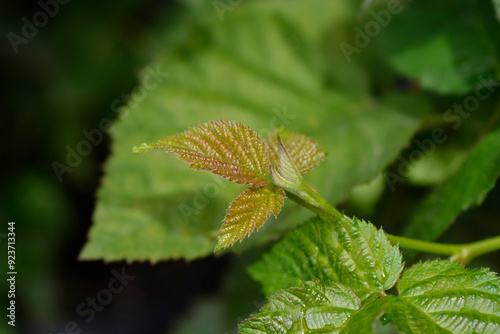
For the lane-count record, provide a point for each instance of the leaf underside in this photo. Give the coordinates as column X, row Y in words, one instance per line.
column 241, row 72
column 248, row 211
column 229, row 149
column 351, row 252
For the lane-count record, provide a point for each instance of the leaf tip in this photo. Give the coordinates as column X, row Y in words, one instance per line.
column 223, row 243
column 145, row 147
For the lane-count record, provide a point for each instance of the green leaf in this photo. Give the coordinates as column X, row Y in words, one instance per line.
column 409, row 319
column 303, row 151
column 314, row 308
column 453, row 45
column 351, row 252
column 151, row 207
column 444, row 297
column 248, row 211
column 229, row 149
column 464, row 189
column 363, row 321
column 365, row 197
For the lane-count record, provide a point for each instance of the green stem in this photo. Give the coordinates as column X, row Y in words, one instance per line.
column 458, row 252
column 478, row 248
column 425, row 246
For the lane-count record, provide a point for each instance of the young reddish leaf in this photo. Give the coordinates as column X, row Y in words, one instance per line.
column 249, row 210
column 303, row 150
column 229, row 149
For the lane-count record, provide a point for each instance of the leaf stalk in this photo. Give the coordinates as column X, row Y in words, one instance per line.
column 463, row 253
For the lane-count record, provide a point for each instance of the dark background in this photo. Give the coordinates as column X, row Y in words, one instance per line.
column 59, row 84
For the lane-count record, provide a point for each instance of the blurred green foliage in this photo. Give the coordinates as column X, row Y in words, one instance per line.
column 253, row 62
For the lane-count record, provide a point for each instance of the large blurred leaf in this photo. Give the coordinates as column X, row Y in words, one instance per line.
column 464, row 189
column 445, row 45
column 255, row 67
column 444, row 297
column 433, row 169
column 351, row 252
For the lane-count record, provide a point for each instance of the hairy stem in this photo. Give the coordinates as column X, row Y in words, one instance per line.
column 458, row 252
